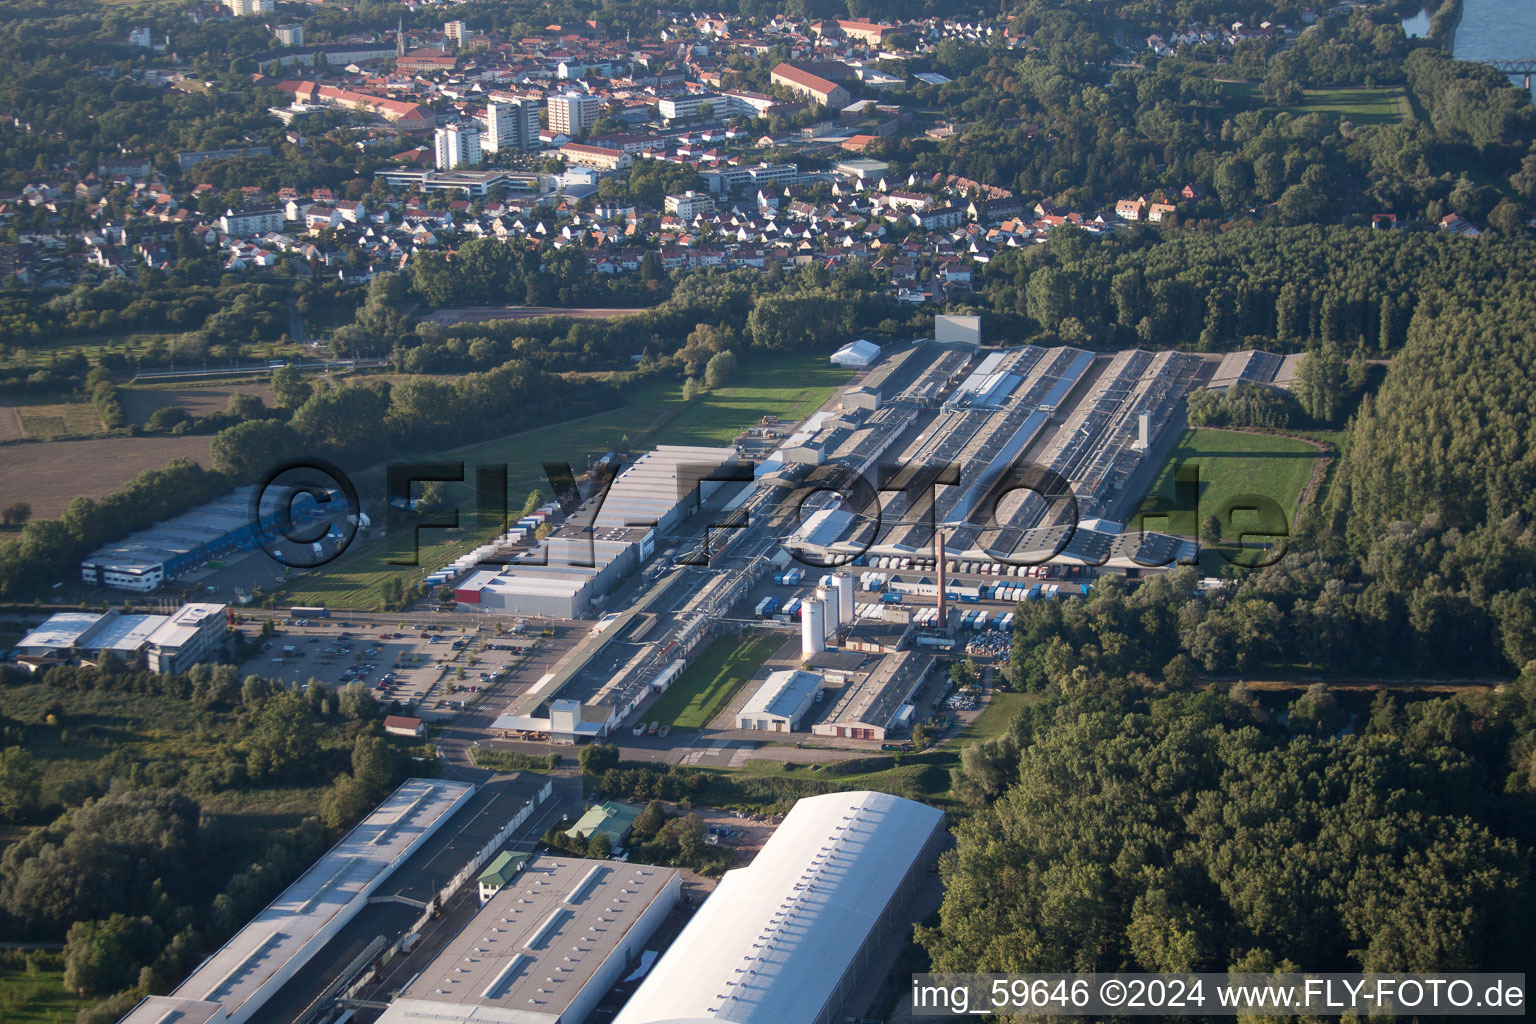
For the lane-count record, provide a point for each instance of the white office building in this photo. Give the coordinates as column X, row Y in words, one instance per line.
column 194, row 633
column 689, row 204
column 692, row 105
column 457, row 145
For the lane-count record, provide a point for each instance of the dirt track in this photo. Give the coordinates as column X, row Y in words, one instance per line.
column 483, row 314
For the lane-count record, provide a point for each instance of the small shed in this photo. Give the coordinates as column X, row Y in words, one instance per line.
column 501, row 871
column 402, row 725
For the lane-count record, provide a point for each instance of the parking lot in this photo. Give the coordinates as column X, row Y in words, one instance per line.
column 426, row 667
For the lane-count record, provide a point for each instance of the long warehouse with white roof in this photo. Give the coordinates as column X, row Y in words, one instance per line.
column 236, row 981
column 788, row 937
column 608, row 536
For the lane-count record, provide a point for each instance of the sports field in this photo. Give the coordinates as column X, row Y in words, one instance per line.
column 790, row 387
column 706, row 687
column 1358, row 105
column 1233, row 464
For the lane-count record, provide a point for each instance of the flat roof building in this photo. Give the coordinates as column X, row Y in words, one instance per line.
column 545, row 948
column 165, row 643
column 248, row 970
column 790, row 936
column 605, row 537
column 874, row 705
column 58, row 634
column 781, row 702
column 193, row 633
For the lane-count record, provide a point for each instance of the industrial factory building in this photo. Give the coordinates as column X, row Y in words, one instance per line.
column 357, row 903
column 781, row 702
column 236, row 982
column 874, row 701
column 790, row 936
column 545, row 948
column 145, row 560
column 162, row 643
column 607, row 537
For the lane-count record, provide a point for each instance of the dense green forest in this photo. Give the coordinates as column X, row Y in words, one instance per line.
column 1118, row 829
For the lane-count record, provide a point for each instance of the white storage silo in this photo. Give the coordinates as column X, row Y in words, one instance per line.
column 829, row 606
column 845, row 587
column 812, row 627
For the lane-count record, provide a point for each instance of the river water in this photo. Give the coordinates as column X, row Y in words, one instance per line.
column 1489, row 30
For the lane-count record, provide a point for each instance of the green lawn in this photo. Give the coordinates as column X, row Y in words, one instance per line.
column 707, row 686
column 1233, row 464
column 775, row 785
column 788, row 386
column 37, row 996
column 995, row 718
column 1356, row 105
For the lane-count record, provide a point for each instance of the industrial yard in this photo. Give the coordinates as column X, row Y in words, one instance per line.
column 804, row 596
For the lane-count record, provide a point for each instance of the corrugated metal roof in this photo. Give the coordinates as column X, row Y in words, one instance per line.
column 773, row 941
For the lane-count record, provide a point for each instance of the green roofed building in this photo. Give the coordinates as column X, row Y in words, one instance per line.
column 501, row 871
column 613, row 819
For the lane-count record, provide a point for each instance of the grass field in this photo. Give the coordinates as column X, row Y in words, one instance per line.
column 140, row 402
column 1358, row 106
column 994, row 719
column 1231, row 464
column 36, row 995
column 774, row 785
column 790, row 387
column 708, row 685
